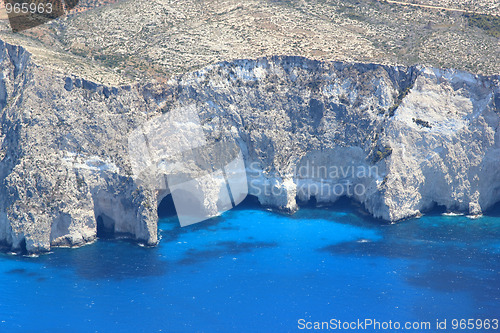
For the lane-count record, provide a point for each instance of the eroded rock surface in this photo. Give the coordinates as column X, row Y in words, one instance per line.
column 64, row 160
column 409, row 137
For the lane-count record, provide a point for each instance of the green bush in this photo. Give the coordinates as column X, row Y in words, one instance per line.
column 381, row 154
column 489, row 23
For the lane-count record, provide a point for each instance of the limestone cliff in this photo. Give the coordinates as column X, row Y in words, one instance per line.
column 63, row 158
column 409, row 137
column 397, row 139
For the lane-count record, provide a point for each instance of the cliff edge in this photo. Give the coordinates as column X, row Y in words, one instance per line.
column 397, row 139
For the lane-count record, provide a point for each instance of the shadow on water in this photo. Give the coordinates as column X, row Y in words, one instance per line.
column 109, row 259
column 194, row 256
column 105, row 259
column 117, row 260
column 17, row 271
column 449, row 254
column 171, row 231
column 22, row 273
column 120, row 259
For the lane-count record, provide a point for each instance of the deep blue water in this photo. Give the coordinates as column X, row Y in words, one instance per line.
column 253, row 270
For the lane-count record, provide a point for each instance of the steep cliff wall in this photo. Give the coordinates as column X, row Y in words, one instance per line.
column 62, row 158
column 397, row 139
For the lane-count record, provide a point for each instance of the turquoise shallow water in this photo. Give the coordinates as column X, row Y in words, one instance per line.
column 253, row 270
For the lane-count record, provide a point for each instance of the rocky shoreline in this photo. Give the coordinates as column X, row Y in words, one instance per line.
column 397, row 139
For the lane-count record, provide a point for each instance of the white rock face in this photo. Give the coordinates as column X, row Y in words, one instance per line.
column 455, row 162
column 63, row 159
column 397, row 139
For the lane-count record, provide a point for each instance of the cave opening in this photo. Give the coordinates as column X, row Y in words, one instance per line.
column 250, row 202
column 166, row 208
column 105, row 227
column 436, row 209
column 343, row 203
column 311, row 203
column 22, row 247
column 493, row 210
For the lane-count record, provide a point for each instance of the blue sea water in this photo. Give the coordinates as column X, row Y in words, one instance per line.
column 253, row 270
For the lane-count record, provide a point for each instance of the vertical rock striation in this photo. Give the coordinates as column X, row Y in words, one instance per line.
column 407, row 138
column 63, row 160
column 397, row 139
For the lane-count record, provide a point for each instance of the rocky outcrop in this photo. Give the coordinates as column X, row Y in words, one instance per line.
column 63, row 161
column 397, row 139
